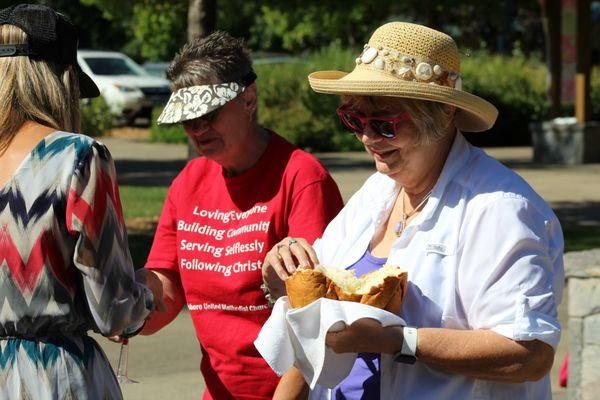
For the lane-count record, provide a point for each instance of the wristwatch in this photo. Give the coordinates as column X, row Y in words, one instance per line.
column 408, row 353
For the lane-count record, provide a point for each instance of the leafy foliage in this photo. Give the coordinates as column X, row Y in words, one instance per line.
column 155, row 28
column 158, row 29
column 96, row 118
column 166, row 133
column 288, row 105
column 516, row 85
column 297, row 25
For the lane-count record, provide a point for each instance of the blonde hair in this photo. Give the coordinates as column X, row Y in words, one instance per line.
column 31, row 90
column 432, row 119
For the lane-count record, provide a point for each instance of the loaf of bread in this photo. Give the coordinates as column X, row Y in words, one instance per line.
column 384, row 288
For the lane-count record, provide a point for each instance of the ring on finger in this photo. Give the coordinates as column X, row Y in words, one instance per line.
column 291, row 241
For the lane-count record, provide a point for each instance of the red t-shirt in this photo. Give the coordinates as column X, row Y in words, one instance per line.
column 215, row 230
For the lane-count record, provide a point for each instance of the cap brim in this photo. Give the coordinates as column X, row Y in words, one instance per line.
column 476, row 114
column 87, row 87
column 193, row 102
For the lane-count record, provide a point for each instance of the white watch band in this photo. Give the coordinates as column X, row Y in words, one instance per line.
column 409, row 341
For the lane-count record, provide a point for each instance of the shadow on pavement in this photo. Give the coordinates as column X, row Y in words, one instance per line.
column 139, row 246
column 584, row 213
column 148, row 172
column 338, row 163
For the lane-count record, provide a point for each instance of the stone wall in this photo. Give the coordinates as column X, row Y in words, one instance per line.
column 583, row 278
column 564, row 141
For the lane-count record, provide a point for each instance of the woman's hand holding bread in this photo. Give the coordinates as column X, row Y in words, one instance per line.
column 285, row 257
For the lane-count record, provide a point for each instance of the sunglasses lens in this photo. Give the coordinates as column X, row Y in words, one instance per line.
column 384, row 128
column 352, row 123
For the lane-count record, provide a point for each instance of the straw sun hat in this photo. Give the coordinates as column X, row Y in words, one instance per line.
column 413, row 61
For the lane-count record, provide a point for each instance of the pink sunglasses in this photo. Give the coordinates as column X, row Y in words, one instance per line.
column 384, row 126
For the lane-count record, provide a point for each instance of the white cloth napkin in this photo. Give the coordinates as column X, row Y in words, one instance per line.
column 296, row 337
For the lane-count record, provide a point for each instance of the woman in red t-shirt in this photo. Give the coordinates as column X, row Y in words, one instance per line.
column 249, row 190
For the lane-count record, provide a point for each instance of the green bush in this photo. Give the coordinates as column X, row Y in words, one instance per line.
column 166, row 133
column 288, row 106
column 96, row 118
column 515, row 85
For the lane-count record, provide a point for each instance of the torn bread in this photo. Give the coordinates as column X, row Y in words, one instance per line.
column 383, row 288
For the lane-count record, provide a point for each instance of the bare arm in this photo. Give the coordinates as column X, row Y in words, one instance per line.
column 173, row 299
column 483, row 354
column 292, row 386
column 479, row 354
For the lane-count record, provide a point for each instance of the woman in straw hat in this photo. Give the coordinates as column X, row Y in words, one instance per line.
column 483, row 251
column 64, row 259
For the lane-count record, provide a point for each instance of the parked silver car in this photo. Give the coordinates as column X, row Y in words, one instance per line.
column 128, row 89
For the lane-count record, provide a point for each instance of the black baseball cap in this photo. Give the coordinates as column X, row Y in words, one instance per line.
column 50, row 37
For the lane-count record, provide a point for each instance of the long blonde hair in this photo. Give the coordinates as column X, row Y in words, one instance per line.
column 30, row 90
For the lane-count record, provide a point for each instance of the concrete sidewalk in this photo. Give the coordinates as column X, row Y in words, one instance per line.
column 568, row 189
column 167, row 364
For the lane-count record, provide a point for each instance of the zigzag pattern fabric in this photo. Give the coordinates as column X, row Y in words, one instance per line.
column 65, row 268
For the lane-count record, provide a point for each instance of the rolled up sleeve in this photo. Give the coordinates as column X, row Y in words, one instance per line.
column 511, row 273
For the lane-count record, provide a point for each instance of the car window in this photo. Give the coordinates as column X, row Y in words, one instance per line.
column 112, row 66
column 156, row 69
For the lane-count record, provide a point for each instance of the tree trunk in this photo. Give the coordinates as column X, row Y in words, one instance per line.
column 202, row 17
column 552, row 30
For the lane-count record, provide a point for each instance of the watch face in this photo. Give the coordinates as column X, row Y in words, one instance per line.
column 404, row 358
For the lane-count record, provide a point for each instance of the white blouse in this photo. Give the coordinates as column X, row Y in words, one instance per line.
column 484, row 253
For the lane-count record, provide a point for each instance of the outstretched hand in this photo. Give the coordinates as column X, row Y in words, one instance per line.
column 149, row 279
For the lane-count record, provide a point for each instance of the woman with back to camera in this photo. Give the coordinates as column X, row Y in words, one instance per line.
column 482, row 250
column 65, row 266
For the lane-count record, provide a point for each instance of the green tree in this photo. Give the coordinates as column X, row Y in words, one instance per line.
column 155, row 29
column 297, row 25
column 158, row 29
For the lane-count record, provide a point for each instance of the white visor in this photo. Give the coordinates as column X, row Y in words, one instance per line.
column 195, row 101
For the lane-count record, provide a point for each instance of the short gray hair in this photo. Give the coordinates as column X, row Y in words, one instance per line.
column 216, row 58
column 431, row 118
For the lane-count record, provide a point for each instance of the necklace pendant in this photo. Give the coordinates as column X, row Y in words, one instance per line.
column 399, row 228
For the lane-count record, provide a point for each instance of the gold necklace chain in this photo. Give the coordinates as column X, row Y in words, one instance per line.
column 400, row 225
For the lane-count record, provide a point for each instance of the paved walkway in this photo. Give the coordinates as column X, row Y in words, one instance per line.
column 166, row 364
column 573, row 191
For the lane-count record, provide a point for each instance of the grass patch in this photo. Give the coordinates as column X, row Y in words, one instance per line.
column 581, row 238
column 142, row 201
column 141, row 207
column 146, row 203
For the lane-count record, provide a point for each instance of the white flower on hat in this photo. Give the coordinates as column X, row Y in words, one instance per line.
column 379, row 63
column 227, row 91
column 369, row 55
column 405, row 72
column 423, row 72
column 177, row 113
column 204, row 97
column 218, row 101
column 195, row 108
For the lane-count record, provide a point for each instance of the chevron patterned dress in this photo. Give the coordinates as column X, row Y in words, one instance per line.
column 65, row 268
